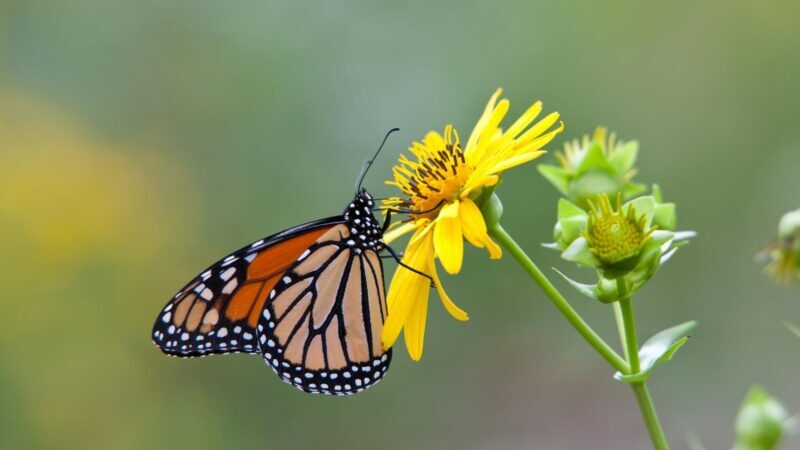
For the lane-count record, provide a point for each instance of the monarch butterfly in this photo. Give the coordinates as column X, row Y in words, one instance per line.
column 310, row 299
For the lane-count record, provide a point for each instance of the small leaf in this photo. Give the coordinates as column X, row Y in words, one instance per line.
column 570, row 229
column 557, row 176
column 664, row 216
column 595, row 159
column 552, row 246
column 684, row 235
column 589, row 290
column 656, row 189
column 579, row 253
column 694, row 442
column 792, row 327
column 624, row 156
column 567, row 209
column 631, row 189
column 659, row 348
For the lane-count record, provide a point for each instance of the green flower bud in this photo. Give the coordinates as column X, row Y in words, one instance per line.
column 761, row 421
column 615, row 237
column 783, row 254
column 590, row 167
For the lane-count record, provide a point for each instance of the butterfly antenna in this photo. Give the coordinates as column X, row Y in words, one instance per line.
column 368, row 163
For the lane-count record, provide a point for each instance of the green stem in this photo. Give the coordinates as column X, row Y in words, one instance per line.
column 620, row 326
column 558, row 300
column 643, row 398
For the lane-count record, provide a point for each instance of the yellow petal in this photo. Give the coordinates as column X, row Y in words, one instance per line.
column 455, row 311
column 474, row 228
column 472, row 221
column 403, row 293
column 448, row 240
column 398, row 231
column 449, row 210
column 541, row 141
column 495, row 252
column 406, row 289
column 414, row 332
column 514, row 161
column 484, row 119
column 540, row 127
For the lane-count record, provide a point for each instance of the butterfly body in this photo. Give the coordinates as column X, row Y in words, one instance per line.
column 310, row 300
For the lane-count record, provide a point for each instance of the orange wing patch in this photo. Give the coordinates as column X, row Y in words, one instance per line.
column 262, row 274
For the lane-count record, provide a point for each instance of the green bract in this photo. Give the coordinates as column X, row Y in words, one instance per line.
column 783, row 254
column 761, row 423
column 589, row 167
column 573, row 235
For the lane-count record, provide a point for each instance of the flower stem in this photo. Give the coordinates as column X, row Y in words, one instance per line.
column 505, row 240
column 643, row 398
column 620, row 327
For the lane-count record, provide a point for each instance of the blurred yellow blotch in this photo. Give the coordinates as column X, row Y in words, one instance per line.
column 67, row 195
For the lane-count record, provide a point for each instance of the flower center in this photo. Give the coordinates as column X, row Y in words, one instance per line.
column 614, row 239
column 613, row 235
column 438, row 175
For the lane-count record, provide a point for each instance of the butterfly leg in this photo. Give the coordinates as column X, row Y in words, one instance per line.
column 406, row 266
column 390, row 211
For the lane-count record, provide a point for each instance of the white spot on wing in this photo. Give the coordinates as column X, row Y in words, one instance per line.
column 228, row 273
column 230, row 287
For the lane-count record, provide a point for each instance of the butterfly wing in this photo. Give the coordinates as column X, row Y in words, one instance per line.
column 320, row 330
column 217, row 312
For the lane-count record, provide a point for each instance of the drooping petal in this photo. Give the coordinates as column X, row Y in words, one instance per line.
column 414, row 332
column 407, row 288
column 403, row 293
column 448, row 239
column 474, row 228
column 449, row 305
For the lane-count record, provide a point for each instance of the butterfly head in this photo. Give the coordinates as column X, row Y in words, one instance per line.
column 365, row 230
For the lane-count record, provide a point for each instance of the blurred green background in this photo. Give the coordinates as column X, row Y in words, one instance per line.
column 140, row 141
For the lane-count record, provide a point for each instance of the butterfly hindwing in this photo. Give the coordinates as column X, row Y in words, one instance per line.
column 217, row 311
column 320, row 330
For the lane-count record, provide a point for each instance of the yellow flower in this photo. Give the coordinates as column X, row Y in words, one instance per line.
column 442, row 184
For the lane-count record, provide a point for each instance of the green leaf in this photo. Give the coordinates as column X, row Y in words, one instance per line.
column 595, row 159
column 694, row 442
column 571, row 229
column 631, row 190
column 658, row 349
column 567, row 209
column 643, row 205
column 624, row 156
column 578, row 252
column 664, row 216
column 589, row 290
column 656, row 189
column 557, row 176
column 792, row 327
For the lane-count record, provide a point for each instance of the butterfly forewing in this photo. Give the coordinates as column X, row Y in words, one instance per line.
column 320, row 331
column 217, row 312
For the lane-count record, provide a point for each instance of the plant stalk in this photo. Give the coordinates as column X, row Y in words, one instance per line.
column 643, row 398
column 588, row 334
